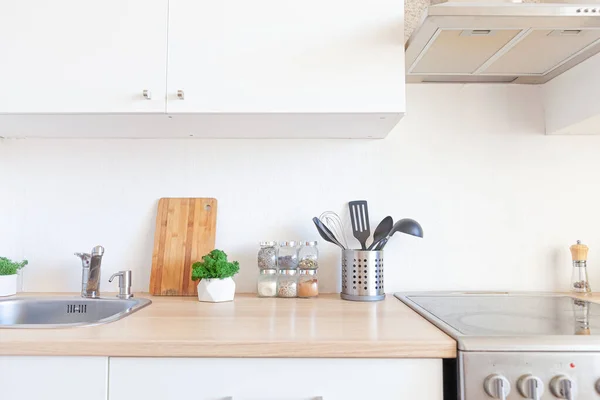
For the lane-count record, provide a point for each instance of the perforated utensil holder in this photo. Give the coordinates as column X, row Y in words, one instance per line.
column 362, row 275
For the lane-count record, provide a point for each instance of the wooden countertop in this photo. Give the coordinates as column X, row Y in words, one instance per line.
column 247, row 327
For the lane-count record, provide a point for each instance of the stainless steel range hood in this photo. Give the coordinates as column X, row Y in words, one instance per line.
column 496, row 41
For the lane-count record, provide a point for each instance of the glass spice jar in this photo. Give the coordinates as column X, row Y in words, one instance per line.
column 266, row 284
column 308, row 283
column 308, row 256
column 287, row 257
column 267, row 255
column 287, row 283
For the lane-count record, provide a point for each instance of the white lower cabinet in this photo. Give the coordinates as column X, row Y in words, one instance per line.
column 53, row 378
column 100, row 378
column 274, row 379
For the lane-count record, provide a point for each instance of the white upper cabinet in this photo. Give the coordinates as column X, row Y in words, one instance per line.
column 227, row 69
column 280, row 56
column 571, row 100
column 73, row 56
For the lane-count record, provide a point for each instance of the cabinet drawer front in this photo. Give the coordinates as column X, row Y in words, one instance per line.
column 64, row 378
column 275, row 379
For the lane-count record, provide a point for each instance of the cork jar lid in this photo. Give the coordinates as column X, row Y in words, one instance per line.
column 579, row 251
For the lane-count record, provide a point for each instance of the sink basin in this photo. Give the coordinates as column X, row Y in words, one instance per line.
column 62, row 312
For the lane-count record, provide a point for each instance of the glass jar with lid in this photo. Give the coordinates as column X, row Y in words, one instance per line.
column 287, row 283
column 287, row 257
column 267, row 255
column 308, row 256
column 308, row 283
column 266, row 284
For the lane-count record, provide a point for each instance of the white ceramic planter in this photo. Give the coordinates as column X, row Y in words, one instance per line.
column 8, row 285
column 216, row 290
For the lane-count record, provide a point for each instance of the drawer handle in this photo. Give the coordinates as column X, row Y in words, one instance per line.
column 312, row 398
column 147, row 94
column 180, row 95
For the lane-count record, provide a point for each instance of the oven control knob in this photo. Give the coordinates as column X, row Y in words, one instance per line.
column 497, row 386
column 563, row 387
column 530, row 387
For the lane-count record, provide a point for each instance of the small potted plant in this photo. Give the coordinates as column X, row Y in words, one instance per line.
column 8, row 276
column 214, row 273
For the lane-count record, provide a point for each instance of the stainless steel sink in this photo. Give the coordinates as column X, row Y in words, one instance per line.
column 62, row 312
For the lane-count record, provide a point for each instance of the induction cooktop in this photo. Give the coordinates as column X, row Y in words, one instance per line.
column 496, row 321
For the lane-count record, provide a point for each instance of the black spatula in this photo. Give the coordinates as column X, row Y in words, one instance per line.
column 359, row 215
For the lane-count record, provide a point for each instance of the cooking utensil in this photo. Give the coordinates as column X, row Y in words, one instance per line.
column 405, row 225
column 185, row 231
column 335, row 225
column 326, row 234
column 359, row 215
column 382, row 230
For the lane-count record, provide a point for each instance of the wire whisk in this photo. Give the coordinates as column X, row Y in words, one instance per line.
column 335, row 225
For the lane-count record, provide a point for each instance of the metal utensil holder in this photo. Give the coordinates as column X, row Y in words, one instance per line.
column 362, row 275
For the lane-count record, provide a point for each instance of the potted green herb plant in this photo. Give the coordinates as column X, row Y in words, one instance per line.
column 8, row 276
column 215, row 275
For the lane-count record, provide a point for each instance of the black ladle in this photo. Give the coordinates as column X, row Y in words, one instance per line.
column 325, row 233
column 405, row 225
column 382, row 230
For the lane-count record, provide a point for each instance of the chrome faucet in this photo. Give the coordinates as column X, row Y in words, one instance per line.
column 90, row 277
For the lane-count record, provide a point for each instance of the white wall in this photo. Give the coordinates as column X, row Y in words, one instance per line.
column 499, row 201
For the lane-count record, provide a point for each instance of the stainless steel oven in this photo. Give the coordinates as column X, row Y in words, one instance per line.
column 516, row 345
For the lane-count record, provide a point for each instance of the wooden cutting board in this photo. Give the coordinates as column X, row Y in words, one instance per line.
column 185, row 231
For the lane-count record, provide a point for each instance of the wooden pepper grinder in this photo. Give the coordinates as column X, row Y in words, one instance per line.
column 579, row 279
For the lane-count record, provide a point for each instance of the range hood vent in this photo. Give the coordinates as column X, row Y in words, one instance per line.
column 496, row 41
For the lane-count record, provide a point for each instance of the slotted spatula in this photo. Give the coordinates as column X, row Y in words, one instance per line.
column 359, row 215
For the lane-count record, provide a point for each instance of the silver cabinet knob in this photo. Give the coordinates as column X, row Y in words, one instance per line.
column 563, row 387
column 147, row 94
column 530, row 387
column 180, row 95
column 497, row 387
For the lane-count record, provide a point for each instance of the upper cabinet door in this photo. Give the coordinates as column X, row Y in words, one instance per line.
column 73, row 56
column 310, row 56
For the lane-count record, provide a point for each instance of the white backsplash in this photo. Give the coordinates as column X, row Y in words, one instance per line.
column 499, row 201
